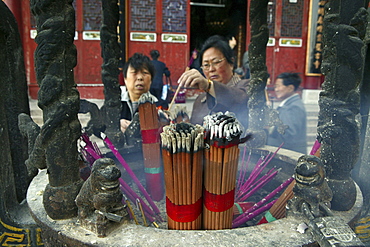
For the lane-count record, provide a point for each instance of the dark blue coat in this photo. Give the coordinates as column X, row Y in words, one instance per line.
column 160, row 70
column 293, row 114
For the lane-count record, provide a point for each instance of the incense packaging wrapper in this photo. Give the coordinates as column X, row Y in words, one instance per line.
column 182, row 153
column 149, row 126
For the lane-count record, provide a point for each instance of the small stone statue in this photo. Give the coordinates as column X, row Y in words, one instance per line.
column 311, row 186
column 99, row 201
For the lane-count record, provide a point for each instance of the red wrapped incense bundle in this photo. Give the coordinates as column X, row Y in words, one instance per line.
column 149, row 126
column 223, row 133
column 182, row 151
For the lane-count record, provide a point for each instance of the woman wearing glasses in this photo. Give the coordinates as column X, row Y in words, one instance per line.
column 224, row 91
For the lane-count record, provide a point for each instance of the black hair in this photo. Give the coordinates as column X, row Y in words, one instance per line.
column 230, row 36
column 218, row 42
column 154, row 54
column 139, row 61
column 290, row 79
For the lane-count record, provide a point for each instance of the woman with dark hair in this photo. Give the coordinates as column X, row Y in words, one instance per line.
column 138, row 72
column 224, row 91
column 292, row 113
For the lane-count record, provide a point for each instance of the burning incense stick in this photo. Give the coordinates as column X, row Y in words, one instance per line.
column 278, row 210
column 149, row 126
column 182, row 146
column 174, row 97
column 131, row 194
column 138, row 204
column 88, row 149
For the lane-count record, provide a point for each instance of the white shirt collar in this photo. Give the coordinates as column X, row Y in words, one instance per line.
column 283, row 102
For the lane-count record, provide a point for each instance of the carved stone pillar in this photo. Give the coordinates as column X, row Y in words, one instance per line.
column 110, row 53
column 343, row 60
column 259, row 75
column 55, row 58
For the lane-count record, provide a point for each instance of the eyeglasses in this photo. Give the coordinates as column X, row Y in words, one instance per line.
column 215, row 64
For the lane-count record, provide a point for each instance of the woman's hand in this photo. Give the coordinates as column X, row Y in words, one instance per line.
column 124, row 123
column 193, row 79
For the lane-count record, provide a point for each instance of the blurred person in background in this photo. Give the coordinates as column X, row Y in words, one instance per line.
column 160, row 69
column 292, row 113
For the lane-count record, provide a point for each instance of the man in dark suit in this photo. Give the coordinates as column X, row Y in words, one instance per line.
column 160, row 70
column 292, row 113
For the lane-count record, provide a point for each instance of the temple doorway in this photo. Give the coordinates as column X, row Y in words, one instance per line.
column 223, row 17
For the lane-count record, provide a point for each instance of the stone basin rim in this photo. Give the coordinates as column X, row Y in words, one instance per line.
column 280, row 233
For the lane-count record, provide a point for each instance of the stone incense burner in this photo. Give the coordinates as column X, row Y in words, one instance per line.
column 282, row 232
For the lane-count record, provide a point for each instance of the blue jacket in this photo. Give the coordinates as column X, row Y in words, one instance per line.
column 293, row 114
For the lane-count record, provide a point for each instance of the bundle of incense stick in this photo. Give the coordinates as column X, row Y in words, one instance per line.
column 182, row 151
column 149, row 126
column 261, row 206
column 223, row 133
column 278, row 210
column 89, row 150
column 246, row 187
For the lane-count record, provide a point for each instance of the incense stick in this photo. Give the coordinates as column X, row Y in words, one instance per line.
column 92, row 149
column 174, row 97
column 132, row 212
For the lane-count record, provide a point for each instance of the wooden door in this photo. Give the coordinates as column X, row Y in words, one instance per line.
column 162, row 25
column 87, row 41
column 286, row 50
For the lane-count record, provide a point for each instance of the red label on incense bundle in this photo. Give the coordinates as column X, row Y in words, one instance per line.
column 150, row 136
column 223, row 144
column 184, row 213
column 218, row 203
